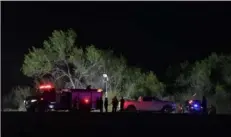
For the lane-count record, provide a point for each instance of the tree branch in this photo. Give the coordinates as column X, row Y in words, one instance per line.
column 69, row 74
column 60, row 77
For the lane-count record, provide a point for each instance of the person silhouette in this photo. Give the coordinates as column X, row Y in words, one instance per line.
column 106, row 104
column 101, row 104
column 204, row 105
column 122, row 104
column 88, row 87
column 114, row 104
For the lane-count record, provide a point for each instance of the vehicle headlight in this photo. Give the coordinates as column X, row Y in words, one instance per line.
column 195, row 105
column 51, row 106
column 33, row 100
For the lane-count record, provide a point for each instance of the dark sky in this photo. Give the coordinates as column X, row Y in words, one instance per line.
column 151, row 35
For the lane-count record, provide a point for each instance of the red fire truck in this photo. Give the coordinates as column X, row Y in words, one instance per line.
column 49, row 99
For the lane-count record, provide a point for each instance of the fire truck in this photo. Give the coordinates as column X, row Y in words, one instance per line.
column 50, row 99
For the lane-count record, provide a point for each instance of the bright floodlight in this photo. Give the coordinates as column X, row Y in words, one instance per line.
column 105, row 75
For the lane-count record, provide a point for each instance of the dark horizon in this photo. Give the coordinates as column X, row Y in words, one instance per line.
column 151, row 35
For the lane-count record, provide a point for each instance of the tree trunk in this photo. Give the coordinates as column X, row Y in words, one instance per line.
column 72, row 83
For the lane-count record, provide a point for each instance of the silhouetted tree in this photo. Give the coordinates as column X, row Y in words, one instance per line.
column 66, row 62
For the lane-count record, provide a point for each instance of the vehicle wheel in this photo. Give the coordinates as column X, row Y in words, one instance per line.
column 131, row 109
column 166, row 109
column 30, row 110
column 36, row 109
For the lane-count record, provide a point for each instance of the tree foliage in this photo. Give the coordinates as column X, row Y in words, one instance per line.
column 138, row 83
column 210, row 77
column 66, row 62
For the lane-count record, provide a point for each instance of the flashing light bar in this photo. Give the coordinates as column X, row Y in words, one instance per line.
column 45, row 87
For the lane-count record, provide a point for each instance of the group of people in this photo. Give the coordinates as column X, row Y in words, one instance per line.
column 115, row 104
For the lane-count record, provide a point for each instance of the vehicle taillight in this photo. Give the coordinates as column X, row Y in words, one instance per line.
column 86, row 101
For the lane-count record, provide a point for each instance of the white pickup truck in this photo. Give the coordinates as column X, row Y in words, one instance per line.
column 152, row 104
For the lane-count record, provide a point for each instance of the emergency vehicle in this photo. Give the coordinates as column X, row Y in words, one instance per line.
column 49, row 99
column 192, row 106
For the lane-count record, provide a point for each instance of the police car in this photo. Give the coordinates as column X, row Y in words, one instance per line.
column 192, row 106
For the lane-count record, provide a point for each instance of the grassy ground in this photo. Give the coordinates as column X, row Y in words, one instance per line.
column 10, row 110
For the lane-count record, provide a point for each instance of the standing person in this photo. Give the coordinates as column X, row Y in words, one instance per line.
column 106, row 104
column 212, row 110
column 101, row 104
column 122, row 104
column 180, row 108
column 204, row 105
column 88, row 87
column 114, row 104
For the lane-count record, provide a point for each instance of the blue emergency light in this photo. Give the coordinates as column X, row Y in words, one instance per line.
column 195, row 105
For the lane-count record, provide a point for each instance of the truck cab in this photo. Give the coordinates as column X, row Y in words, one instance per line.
column 150, row 103
column 42, row 101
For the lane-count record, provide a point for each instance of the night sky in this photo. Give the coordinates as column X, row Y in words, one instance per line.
column 151, row 35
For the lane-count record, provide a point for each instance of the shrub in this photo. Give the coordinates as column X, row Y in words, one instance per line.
column 15, row 98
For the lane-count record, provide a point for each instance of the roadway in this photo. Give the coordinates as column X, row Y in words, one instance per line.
column 15, row 124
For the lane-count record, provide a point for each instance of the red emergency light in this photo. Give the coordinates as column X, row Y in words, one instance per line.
column 86, row 101
column 45, row 87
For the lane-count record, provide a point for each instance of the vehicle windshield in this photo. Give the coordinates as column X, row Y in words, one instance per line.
column 31, row 97
column 155, row 98
column 150, row 99
column 49, row 95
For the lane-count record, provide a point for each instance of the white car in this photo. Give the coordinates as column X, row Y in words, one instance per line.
column 152, row 104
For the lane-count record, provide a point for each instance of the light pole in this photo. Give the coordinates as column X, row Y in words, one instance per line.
column 105, row 80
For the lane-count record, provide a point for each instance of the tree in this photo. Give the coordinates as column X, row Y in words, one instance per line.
column 137, row 83
column 60, row 59
column 53, row 58
column 210, row 77
column 200, row 78
column 100, row 62
column 132, row 78
column 150, row 85
column 87, row 66
column 63, row 60
column 195, row 78
column 115, row 68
